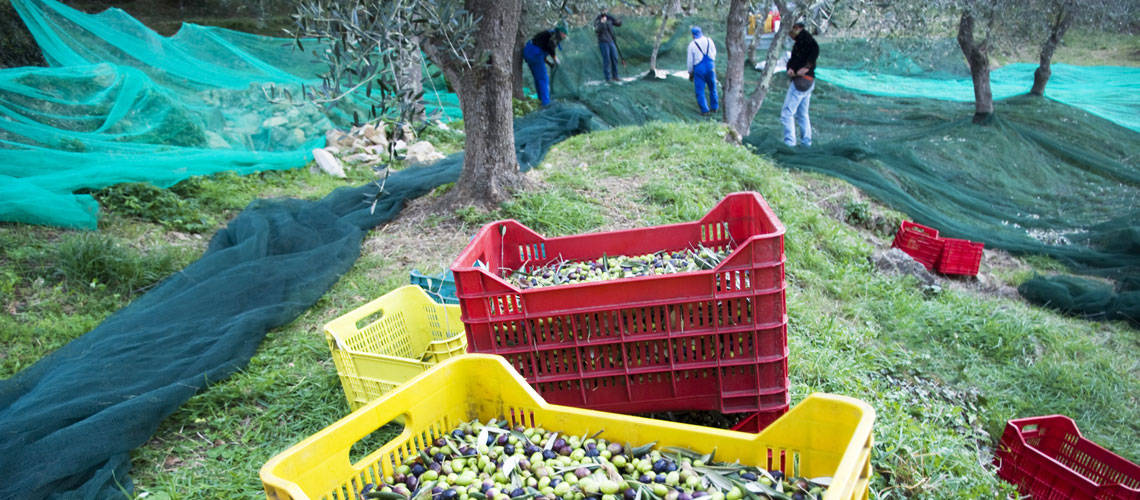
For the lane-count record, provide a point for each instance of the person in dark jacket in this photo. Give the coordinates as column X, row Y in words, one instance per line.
column 801, row 71
column 535, row 53
column 604, row 28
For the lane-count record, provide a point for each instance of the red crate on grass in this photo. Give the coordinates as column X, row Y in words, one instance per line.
column 960, row 257
column 920, row 242
column 1047, row 458
column 701, row 340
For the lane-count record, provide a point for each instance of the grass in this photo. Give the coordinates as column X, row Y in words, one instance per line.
column 943, row 369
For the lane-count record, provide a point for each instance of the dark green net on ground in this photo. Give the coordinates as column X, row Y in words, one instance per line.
column 1041, row 178
column 1055, row 176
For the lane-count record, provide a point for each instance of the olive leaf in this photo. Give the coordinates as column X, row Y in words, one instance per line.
column 683, row 452
column 482, row 439
column 766, row 490
column 715, row 478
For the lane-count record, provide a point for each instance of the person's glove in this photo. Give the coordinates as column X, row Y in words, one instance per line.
column 690, row 76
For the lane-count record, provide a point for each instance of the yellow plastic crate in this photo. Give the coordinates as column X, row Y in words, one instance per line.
column 825, row 435
column 404, row 332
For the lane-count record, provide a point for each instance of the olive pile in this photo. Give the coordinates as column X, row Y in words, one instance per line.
column 563, row 272
column 497, row 462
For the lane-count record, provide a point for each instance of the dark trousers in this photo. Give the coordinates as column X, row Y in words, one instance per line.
column 609, row 59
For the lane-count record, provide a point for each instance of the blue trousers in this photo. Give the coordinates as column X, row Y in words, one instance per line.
column 796, row 106
column 536, row 59
column 705, row 76
column 609, row 59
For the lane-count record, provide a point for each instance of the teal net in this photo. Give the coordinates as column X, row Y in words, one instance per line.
column 1044, row 177
column 121, row 103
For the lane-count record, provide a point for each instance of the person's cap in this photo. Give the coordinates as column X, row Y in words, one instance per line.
column 560, row 30
column 799, row 25
column 696, row 31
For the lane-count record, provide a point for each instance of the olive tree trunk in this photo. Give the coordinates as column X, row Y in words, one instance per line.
column 669, row 8
column 517, row 63
column 490, row 168
column 978, row 58
column 1057, row 31
column 740, row 109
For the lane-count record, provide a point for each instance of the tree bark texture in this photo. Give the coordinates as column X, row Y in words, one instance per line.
column 978, row 58
column 490, row 167
column 739, row 110
column 1061, row 23
column 521, row 37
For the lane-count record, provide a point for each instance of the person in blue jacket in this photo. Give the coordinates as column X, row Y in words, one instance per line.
column 537, row 49
column 702, row 70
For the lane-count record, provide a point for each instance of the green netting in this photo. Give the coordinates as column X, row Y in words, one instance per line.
column 124, row 104
column 1055, row 176
column 69, row 422
column 1106, row 92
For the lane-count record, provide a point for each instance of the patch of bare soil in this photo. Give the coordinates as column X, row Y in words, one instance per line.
column 418, row 239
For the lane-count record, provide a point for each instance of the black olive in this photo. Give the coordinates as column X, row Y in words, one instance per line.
column 449, row 494
column 509, row 449
column 592, row 452
column 503, row 439
column 548, row 454
column 659, row 466
column 629, row 494
column 748, row 476
column 418, row 469
column 661, row 478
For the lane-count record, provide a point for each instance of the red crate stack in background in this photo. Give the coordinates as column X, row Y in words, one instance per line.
column 920, row 242
column 960, row 257
column 701, row 340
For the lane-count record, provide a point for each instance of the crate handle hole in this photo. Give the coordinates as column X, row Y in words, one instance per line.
column 370, row 319
column 1029, row 428
column 374, row 440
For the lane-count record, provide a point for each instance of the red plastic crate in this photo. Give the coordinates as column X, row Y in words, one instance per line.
column 759, row 421
column 1047, row 458
column 702, row 340
column 920, row 242
column 960, row 257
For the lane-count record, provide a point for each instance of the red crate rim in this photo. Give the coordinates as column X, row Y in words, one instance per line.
column 1014, row 436
column 458, row 265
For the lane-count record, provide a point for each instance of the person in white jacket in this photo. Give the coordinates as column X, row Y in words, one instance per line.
column 702, row 70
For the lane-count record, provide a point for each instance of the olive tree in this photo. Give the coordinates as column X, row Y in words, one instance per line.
column 1050, row 20
column 984, row 28
column 469, row 40
column 741, row 108
column 668, row 9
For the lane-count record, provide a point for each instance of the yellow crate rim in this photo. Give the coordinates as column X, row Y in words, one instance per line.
column 824, row 435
